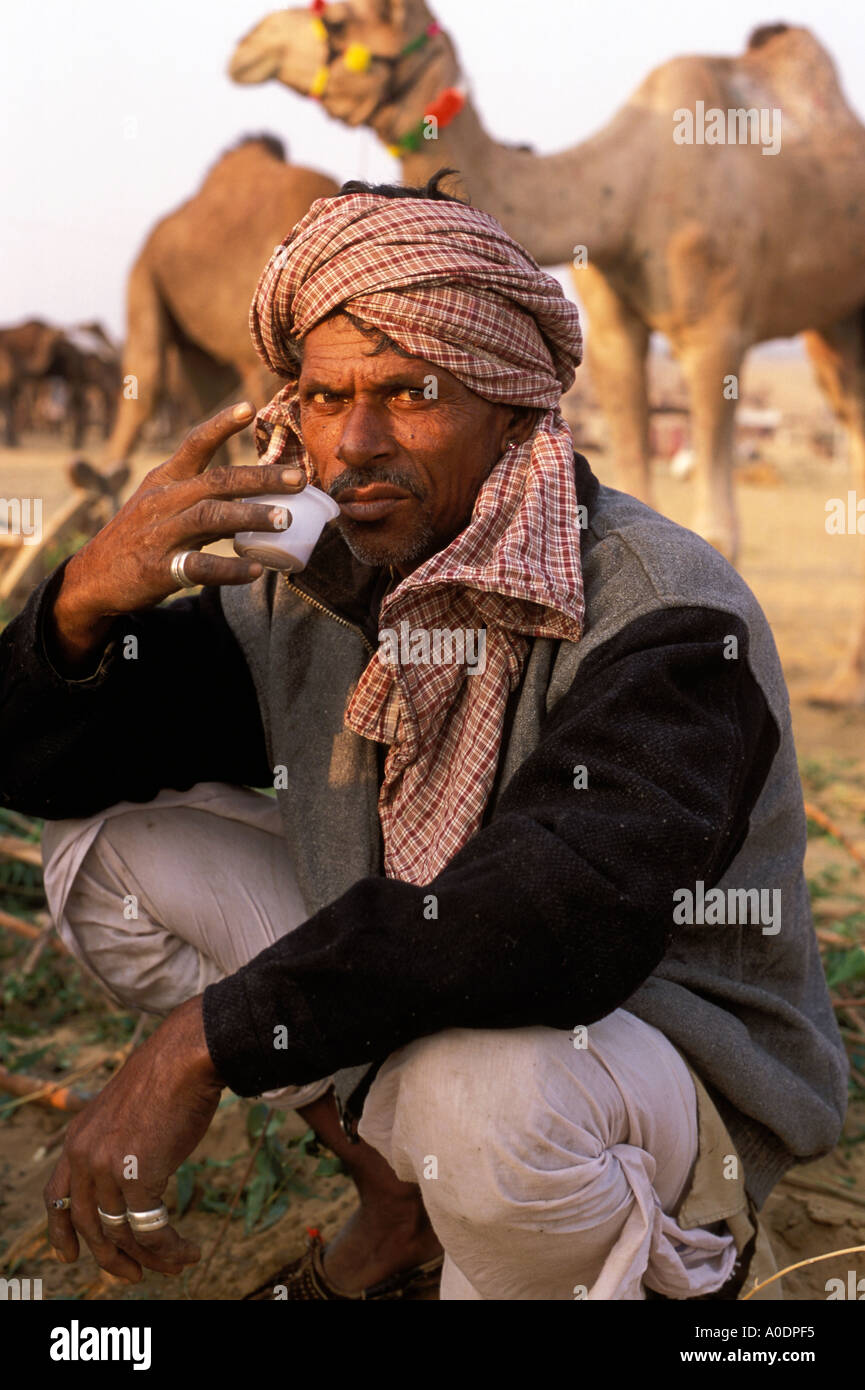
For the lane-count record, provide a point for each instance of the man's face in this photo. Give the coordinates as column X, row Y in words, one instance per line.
column 399, row 443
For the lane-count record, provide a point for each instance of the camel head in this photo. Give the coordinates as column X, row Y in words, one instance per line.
column 357, row 58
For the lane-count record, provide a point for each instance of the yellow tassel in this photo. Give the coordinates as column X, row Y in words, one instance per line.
column 319, row 82
column 357, row 57
column 318, row 28
column 394, row 150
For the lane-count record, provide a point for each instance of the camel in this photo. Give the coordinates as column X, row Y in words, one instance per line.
column 35, row 352
column 191, row 286
column 716, row 245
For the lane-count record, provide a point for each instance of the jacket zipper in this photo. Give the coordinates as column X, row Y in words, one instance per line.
column 330, row 614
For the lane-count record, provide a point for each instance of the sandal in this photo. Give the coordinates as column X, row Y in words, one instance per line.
column 305, row 1279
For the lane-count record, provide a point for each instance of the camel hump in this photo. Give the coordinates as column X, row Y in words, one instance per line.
column 764, row 32
column 247, row 151
column 794, row 72
column 783, row 68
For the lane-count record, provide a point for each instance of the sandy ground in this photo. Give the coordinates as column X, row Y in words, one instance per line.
column 809, row 585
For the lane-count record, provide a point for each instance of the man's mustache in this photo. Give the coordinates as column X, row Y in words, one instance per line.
column 363, row 477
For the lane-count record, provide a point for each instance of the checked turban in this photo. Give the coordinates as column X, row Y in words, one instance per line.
column 447, row 284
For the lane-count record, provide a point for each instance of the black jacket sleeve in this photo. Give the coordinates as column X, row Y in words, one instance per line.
column 181, row 710
column 556, row 910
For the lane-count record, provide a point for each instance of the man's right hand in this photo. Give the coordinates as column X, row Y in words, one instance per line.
column 178, row 506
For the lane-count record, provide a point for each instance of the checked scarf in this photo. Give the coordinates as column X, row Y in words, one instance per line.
column 447, row 284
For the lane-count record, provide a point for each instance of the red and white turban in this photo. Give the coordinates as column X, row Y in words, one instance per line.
column 447, row 284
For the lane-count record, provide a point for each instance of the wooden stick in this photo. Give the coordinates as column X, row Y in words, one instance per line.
column 59, row 1096
column 33, row 957
column 834, row 938
column 48, row 1089
column 800, row 1264
column 820, row 818
column 15, row 848
column 17, row 924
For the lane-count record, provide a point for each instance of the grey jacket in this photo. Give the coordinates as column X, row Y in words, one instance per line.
column 746, row 1003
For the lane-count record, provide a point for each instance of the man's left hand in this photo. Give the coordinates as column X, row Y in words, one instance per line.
column 146, row 1121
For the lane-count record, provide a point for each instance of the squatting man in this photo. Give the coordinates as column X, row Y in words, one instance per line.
column 455, row 959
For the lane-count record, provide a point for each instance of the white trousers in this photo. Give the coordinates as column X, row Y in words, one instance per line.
column 548, row 1170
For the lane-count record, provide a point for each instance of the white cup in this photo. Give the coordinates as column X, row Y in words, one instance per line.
column 289, row 550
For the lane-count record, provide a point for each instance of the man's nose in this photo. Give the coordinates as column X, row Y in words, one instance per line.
column 366, row 436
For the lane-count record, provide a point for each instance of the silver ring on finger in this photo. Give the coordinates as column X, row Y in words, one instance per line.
column 109, row 1219
column 153, row 1220
column 178, row 572
column 61, row 1203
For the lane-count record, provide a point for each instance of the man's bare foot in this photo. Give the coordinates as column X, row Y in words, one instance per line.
column 370, row 1247
column 390, row 1231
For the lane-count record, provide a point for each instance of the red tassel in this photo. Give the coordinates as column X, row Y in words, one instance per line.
column 447, row 105
column 317, row 6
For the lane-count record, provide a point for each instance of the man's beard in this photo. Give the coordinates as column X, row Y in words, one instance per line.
column 404, row 552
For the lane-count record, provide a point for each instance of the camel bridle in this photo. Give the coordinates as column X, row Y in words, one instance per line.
column 393, row 89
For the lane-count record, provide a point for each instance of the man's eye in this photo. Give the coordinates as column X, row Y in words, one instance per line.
column 324, row 397
column 412, row 393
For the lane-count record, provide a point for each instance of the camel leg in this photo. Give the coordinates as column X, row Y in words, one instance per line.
column 77, row 409
column 616, row 347
column 212, row 384
column 143, row 366
column 258, row 386
column 10, row 407
column 838, row 356
column 109, row 409
column 706, row 365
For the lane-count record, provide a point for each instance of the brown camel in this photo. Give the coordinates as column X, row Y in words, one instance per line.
column 716, row 245
column 190, row 288
column 35, row 352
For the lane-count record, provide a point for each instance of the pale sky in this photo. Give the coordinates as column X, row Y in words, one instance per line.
column 79, row 195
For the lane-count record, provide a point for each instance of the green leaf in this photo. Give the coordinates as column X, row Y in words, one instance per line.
column 258, row 1192
column 275, row 1123
column 211, row 1202
column 840, row 969
column 255, row 1121
column 277, row 1208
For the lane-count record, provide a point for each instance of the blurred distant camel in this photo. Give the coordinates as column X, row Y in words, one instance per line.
column 716, row 245
column 84, row 358
column 191, row 286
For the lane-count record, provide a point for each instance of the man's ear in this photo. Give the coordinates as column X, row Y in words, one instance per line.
column 522, row 422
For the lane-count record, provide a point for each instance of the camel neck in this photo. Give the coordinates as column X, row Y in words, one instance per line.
column 551, row 203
